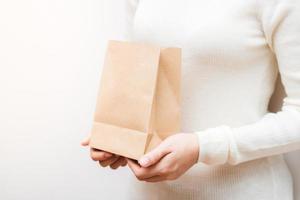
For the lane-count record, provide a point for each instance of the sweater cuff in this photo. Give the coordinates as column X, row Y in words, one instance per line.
column 214, row 145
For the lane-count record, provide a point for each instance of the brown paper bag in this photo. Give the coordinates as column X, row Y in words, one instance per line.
column 138, row 103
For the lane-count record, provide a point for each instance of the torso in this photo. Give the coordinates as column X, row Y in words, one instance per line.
column 228, row 76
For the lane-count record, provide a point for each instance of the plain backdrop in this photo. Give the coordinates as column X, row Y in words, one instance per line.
column 51, row 52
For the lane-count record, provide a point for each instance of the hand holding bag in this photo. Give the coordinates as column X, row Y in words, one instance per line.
column 138, row 103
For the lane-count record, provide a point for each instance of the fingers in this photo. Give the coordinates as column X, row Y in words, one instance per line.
column 141, row 173
column 105, row 158
column 98, row 155
column 155, row 155
column 120, row 162
column 86, row 141
column 109, row 161
column 133, row 165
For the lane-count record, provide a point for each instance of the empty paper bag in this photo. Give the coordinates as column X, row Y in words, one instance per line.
column 138, row 103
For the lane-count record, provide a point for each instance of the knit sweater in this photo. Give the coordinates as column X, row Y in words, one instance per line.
column 232, row 52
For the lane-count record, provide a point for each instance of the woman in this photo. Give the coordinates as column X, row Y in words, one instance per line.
column 232, row 53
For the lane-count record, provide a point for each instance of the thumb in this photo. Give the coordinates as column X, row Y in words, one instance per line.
column 86, row 141
column 154, row 156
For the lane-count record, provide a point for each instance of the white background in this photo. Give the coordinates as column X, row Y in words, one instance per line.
column 51, row 52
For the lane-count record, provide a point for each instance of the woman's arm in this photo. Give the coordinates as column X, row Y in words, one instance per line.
column 275, row 133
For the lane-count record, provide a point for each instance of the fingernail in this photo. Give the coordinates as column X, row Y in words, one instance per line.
column 144, row 161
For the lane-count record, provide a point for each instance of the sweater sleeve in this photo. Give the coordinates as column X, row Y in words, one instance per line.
column 274, row 133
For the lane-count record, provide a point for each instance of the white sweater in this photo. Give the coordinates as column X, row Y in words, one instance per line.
column 232, row 53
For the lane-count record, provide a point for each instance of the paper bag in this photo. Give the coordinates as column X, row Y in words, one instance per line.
column 138, row 102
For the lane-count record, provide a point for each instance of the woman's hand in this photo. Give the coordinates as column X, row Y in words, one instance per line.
column 105, row 158
column 172, row 158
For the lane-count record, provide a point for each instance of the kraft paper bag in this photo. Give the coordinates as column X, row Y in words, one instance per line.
column 138, row 102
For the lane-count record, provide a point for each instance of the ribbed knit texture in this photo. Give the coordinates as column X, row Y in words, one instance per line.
column 232, row 53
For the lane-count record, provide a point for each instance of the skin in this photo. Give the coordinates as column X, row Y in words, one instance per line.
column 105, row 159
column 168, row 161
